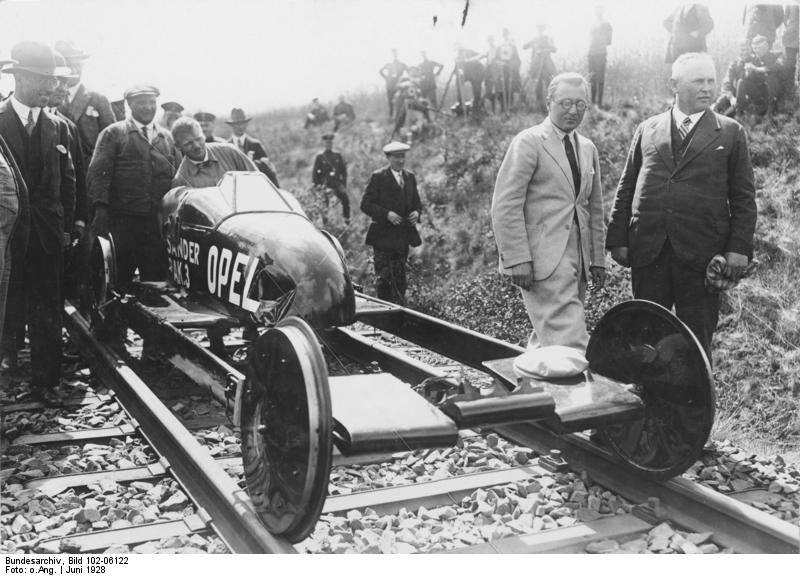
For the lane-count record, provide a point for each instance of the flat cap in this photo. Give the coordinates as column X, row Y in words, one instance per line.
column 328, row 136
column 204, row 117
column 393, row 147
column 172, row 107
column 140, row 90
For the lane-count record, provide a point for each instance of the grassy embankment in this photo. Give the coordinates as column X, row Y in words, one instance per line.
column 453, row 274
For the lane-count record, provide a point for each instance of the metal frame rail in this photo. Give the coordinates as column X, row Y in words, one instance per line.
column 215, row 492
column 691, row 505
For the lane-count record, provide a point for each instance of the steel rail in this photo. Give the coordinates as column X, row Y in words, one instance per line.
column 229, row 507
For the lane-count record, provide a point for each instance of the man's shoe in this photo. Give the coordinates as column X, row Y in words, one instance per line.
column 8, row 363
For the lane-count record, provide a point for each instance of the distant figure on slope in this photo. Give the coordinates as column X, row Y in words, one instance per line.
column 343, row 114
column 762, row 20
column 599, row 41
column 688, row 26
column 330, row 174
column 391, row 73
column 470, row 69
column 542, row 69
column 317, row 115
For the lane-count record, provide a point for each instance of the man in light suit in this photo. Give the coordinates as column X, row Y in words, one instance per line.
column 547, row 214
column 685, row 195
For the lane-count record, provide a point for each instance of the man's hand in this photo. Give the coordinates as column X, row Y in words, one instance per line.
column 413, row 217
column 736, row 265
column 100, row 223
column 394, row 218
column 598, row 277
column 77, row 228
column 522, row 275
column 620, row 255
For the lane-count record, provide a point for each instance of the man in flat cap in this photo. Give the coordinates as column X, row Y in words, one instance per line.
column 392, row 201
column 330, row 174
column 172, row 111
column 204, row 164
column 131, row 170
column 89, row 110
column 39, row 144
column 252, row 147
column 207, row 122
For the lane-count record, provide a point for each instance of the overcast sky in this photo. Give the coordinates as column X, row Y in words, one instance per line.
column 263, row 54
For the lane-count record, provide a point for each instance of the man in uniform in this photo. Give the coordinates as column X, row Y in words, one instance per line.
column 172, row 111
column 343, row 114
column 131, row 170
column 207, row 122
column 39, row 144
column 391, row 73
column 547, row 215
column 204, row 164
column 392, row 201
column 686, row 195
column 330, row 173
column 599, row 41
column 90, row 111
column 250, row 146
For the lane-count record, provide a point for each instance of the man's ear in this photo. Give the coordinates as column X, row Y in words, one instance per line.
column 672, row 84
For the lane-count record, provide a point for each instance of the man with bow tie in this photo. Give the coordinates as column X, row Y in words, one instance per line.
column 204, row 164
column 686, row 195
column 131, row 170
column 547, row 214
column 39, row 144
column 392, row 201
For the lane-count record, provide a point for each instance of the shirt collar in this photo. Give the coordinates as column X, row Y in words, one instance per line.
column 205, row 159
column 73, row 91
column 151, row 128
column 680, row 116
column 560, row 133
column 22, row 110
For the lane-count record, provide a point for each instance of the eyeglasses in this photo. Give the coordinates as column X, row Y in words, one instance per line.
column 567, row 104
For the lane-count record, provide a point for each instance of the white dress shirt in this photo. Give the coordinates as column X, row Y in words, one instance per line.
column 679, row 117
column 151, row 128
column 22, row 111
column 398, row 176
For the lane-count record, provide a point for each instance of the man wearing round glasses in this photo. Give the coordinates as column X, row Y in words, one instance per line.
column 547, row 213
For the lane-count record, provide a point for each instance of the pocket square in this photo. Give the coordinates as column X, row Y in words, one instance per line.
column 720, row 148
column 61, row 148
column 92, row 111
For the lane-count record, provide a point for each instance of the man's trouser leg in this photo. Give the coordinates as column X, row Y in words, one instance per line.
column 670, row 281
column 390, row 275
column 340, row 191
column 42, row 285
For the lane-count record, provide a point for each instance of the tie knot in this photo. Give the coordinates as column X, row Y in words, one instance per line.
column 687, row 122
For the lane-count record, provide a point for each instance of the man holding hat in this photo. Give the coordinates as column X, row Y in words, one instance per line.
column 172, row 111
column 39, row 144
column 131, row 170
column 89, row 110
column 330, row 173
column 392, row 201
column 249, row 145
column 207, row 123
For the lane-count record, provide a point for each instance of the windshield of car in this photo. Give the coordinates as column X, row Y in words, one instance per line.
column 253, row 192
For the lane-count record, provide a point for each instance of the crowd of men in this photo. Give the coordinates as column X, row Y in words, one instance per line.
column 73, row 167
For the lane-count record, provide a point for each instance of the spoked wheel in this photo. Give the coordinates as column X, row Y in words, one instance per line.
column 97, row 290
column 642, row 343
column 287, row 429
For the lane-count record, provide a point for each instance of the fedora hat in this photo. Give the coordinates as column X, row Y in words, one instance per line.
column 238, row 117
column 204, row 117
column 70, row 52
column 32, row 57
column 62, row 70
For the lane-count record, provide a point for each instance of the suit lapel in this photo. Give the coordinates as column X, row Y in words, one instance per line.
column 663, row 138
column 585, row 155
column 705, row 134
column 79, row 103
column 555, row 148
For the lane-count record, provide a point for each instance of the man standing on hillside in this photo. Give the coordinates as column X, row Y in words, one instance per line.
column 686, row 195
column 330, row 174
column 250, row 146
column 343, row 114
column 599, row 41
column 547, row 215
column 688, row 26
column 392, row 201
column 391, row 73
column 429, row 70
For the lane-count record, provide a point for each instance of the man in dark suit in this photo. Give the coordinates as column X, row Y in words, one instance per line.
column 392, row 201
column 131, row 170
column 391, row 72
column 39, row 144
column 89, row 110
column 686, row 194
column 249, row 145
column 688, row 25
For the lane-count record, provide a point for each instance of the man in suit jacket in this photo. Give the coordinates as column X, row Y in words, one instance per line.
column 249, row 145
column 89, row 110
column 39, row 144
column 547, row 214
column 685, row 195
column 131, row 170
column 392, row 201
column 688, row 26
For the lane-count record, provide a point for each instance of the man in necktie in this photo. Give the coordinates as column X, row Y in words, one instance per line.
column 392, row 201
column 39, row 144
column 686, row 194
column 547, row 214
column 204, row 164
column 132, row 168
column 252, row 147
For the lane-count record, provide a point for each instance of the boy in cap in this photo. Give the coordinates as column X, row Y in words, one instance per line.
column 392, row 201
column 252, row 147
column 330, row 172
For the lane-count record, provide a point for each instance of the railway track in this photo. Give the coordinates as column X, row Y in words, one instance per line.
column 523, row 499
